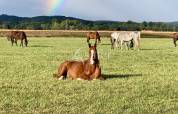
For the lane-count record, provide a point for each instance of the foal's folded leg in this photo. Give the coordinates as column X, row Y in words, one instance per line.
column 97, row 74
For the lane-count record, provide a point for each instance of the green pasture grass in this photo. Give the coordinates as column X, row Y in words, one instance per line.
column 137, row 82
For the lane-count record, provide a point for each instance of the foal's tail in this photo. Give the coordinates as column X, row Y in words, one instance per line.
column 62, row 71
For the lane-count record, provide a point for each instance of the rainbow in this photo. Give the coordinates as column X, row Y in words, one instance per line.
column 53, row 5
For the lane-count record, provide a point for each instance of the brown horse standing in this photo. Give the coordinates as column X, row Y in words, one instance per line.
column 93, row 35
column 81, row 70
column 175, row 38
column 14, row 36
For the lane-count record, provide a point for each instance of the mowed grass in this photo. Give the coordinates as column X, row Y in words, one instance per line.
column 137, row 82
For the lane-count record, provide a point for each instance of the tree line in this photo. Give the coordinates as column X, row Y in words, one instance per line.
column 69, row 23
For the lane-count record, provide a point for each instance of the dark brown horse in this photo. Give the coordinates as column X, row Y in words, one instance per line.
column 93, row 35
column 175, row 38
column 81, row 70
column 14, row 36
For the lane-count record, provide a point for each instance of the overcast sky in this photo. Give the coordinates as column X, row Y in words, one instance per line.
column 116, row 10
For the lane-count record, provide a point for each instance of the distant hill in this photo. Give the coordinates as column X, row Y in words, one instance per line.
column 63, row 23
column 173, row 23
column 10, row 18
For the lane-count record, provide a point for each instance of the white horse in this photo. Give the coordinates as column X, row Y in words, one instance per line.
column 125, row 37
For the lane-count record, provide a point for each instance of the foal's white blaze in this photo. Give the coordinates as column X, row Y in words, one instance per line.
column 91, row 58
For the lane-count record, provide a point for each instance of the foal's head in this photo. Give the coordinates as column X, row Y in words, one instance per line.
column 93, row 54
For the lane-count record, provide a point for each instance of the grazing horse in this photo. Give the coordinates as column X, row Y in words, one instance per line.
column 81, row 70
column 14, row 36
column 175, row 38
column 129, row 38
column 93, row 35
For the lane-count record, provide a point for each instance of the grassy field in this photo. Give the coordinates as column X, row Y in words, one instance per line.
column 138, row 82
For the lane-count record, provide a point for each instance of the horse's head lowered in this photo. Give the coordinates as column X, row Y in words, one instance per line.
column 93, row 54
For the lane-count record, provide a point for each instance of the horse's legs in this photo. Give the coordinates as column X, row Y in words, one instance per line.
column 112, row 43
column 12, row 42
column 21, row 43
column 136, row 44
column 26, row 42
column 96, row 41
column 99, row 40
column 128, row 45
column 131, row 44
column 121, row 44
column 16, row 42
column 88, row 39
column 116, row 43
column 175, row 42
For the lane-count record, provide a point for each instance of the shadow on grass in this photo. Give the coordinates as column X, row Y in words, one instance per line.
column 107, row 76
column 150, row 49
column 105, row 44
column 39, row 46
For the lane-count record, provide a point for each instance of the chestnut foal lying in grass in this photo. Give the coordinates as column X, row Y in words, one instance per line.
column 81, row 70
